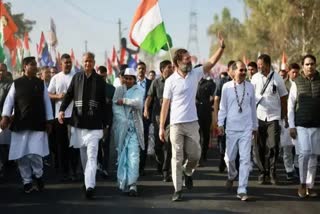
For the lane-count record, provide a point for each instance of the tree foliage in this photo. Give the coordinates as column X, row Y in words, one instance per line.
column 271, row 27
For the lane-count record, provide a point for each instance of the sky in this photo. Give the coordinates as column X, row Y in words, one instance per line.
column 96, row 21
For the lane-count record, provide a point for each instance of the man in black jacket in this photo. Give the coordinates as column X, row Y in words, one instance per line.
column 88, row 120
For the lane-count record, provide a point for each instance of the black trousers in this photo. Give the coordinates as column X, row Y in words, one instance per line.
column 68, row 157
column 162, row 150
column 143, row 153
column 266, row 148
column 205, row 121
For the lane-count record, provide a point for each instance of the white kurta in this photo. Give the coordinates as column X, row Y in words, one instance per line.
column 27, row 142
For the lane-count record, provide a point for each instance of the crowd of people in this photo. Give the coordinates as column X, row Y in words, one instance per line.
column 75, row 117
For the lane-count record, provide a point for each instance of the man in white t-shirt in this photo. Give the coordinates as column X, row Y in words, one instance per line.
column 271, row 104
column 66, row 156
column 179, row 94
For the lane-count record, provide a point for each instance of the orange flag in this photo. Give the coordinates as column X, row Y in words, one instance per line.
column 9, row 28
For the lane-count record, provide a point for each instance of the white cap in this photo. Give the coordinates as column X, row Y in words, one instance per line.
column 130, row 72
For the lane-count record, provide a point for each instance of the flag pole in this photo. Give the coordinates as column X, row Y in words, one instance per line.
column 169, row 49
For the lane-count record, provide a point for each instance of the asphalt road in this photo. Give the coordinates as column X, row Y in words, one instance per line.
column 208, row 196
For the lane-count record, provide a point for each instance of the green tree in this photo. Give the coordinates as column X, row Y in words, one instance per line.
column 232, row 31
column 271, row 27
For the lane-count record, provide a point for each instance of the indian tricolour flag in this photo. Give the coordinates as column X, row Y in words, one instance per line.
column 147, row 28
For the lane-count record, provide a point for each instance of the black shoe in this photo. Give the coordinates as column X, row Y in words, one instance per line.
column 27, row 188
column 133, row 191
column 89, row 193
column 261, row 179
column 177, row 196
column 188, row 182
column 40, row 184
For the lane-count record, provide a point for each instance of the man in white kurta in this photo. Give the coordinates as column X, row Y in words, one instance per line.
column 237, row 107
column 29, row 140
column 304, row 123
column 57, row 89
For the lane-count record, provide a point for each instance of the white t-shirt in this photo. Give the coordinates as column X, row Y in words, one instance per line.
column 270, row 105
column 182, row 94
column 60, row 84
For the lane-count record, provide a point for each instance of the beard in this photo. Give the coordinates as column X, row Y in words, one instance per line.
column 186, row 68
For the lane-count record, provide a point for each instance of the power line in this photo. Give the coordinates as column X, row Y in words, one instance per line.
column 99, row 19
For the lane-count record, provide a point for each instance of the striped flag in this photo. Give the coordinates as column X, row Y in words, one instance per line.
column 26, row 45
column 147, row 28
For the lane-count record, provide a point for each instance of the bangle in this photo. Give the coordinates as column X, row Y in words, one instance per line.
column 223, row 46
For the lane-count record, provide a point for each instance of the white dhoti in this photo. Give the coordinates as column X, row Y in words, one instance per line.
column 28, row 148
column 238, row 141
column 308, row 149
column 88, row 142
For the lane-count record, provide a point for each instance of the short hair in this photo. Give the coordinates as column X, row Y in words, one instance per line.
column 122, row 69
column 102, row 69
column 265, row 58
column 230, row 63
column 294, row 66
column 309, row 56
column 141, row 63
column 89, row 54
column 65, row 56
column 164, row 64
column 28, row 60
column 253, row 64
column 178, row 55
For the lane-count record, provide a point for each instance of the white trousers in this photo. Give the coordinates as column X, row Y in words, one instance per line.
column 30, row 165
column 308, row 149
column 308, row 169
column 88, row 141
column 238, row 140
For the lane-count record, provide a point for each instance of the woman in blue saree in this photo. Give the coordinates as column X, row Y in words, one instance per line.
column 128, row 131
